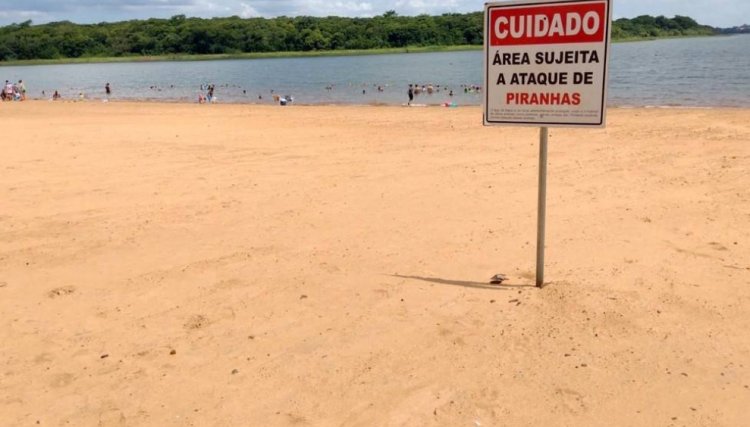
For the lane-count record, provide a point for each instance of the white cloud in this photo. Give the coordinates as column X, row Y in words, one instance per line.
column 711, row 12
column 21, row 15
column 248, row 11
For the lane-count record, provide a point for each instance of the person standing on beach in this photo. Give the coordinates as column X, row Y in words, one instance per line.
column 210, row 97
column 107, row 89
column 22, row 90
column 411, row 94
column 8, row 91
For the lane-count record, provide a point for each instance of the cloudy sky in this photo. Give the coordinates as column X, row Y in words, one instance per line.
column 721, row 13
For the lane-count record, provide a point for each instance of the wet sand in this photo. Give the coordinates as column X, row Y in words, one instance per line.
column 186, row 265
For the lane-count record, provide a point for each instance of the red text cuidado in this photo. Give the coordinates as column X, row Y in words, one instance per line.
column 548, row 24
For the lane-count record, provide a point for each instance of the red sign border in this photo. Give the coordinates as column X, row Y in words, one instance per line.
column 600, row 7
column 521, row 3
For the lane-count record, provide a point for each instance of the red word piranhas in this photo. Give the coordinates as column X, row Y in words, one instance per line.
column 543, row 99
column 548, row 24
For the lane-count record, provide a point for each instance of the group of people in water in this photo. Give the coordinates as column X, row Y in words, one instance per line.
column 207, row 93
column 13, row 91
column 56, row 96
column 416, row 89
column 17, row 92
column 429, row 89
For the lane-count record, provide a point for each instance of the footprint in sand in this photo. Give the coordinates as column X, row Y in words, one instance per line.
column 61, row 292
column 43, row 359
column 197, row 321
column 571, row 400
column 62, row 380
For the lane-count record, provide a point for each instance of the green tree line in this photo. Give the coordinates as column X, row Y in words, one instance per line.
column 182, row 35
column 655, row 27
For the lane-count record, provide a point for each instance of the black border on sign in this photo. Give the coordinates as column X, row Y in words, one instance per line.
column 489, row 8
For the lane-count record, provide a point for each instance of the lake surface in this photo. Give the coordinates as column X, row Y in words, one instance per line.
column 711, row 71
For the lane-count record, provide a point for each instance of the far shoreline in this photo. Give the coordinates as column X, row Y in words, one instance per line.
column 240, row 56
column 280, row 55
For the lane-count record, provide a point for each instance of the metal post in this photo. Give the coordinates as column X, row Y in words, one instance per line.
column 542, row 213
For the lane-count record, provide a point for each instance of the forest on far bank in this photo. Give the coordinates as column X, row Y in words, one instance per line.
column 181, row 35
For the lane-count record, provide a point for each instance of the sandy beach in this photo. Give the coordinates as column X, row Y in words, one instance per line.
column 235, row 265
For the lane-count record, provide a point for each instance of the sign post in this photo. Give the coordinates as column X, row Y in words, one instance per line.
column 546, row 65
column 541, row 217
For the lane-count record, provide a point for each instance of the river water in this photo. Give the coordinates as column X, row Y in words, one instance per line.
column 710, row 71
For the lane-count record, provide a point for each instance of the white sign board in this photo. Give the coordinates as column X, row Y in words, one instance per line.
column 546, row 62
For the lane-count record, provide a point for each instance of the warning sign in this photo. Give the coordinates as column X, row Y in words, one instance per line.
column 546, row 62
